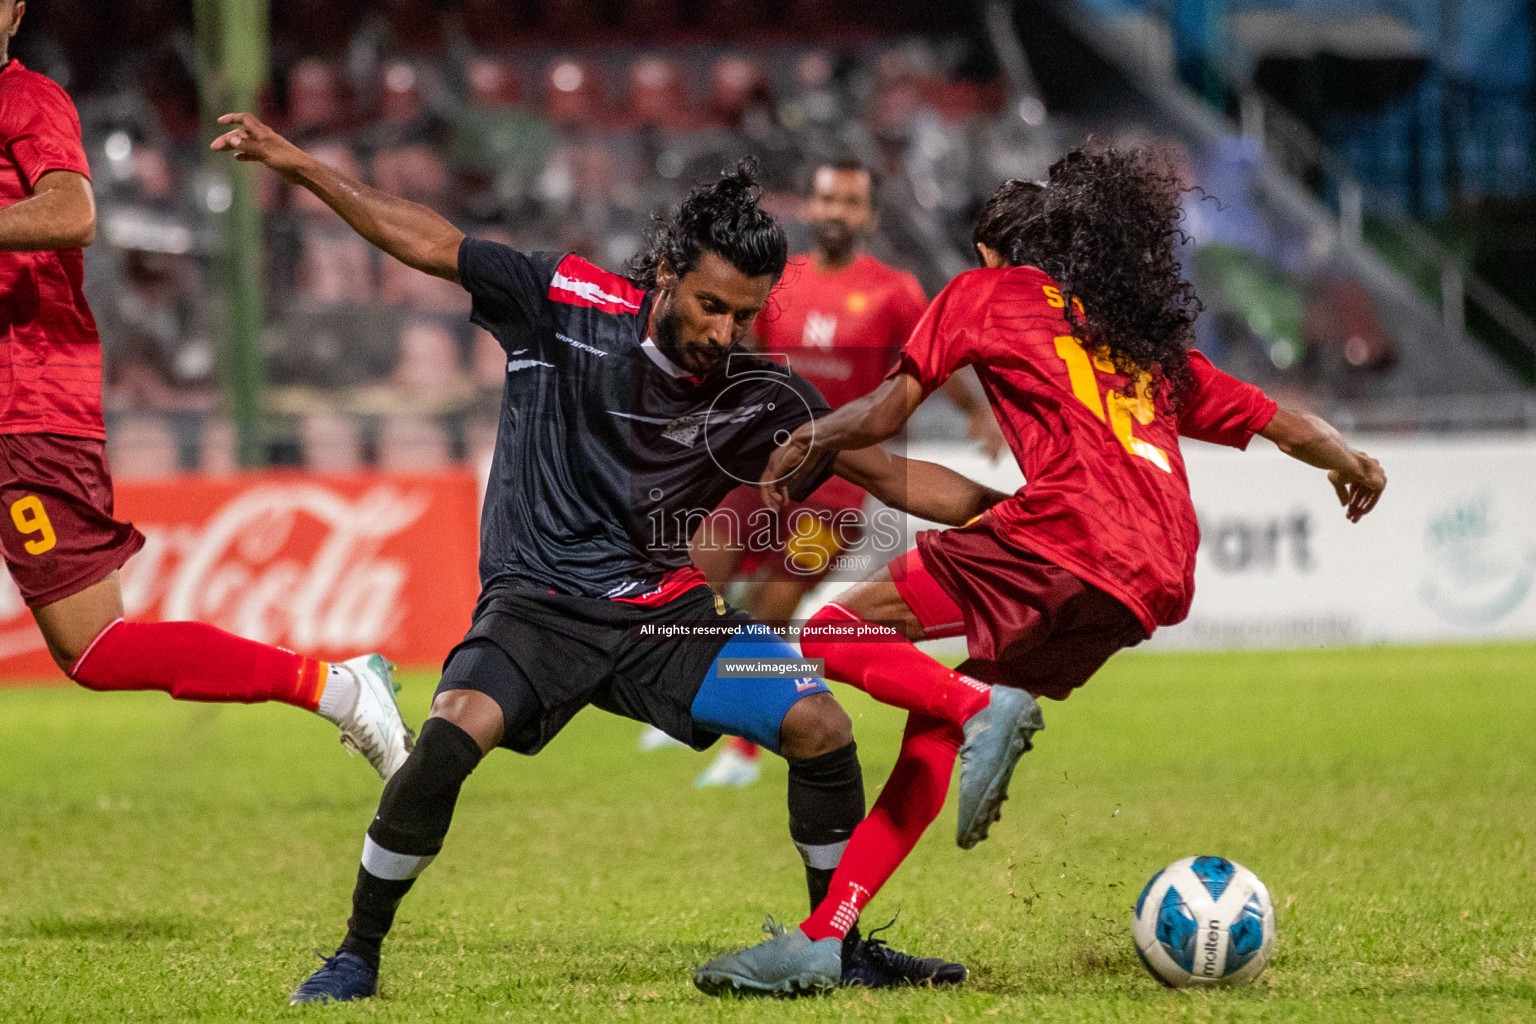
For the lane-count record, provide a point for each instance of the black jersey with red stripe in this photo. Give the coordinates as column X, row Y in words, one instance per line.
column 608, row 455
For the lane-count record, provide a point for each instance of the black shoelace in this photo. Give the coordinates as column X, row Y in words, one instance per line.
column 879, row 954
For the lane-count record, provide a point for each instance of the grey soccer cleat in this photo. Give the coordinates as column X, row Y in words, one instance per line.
column 788, row 964
column 995, row 738
column 374, row 727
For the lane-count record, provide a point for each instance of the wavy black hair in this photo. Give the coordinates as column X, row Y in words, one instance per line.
column 1106, row 227
column 725, row 218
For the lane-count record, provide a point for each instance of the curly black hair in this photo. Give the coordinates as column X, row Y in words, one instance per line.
column 725, row 218
column 1106, row 227
column 1000, row 219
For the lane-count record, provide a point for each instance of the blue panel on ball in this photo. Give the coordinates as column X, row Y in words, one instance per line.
column 1176, row 929
column 1245, row 935
column 1142, row 899
column 1215, row 873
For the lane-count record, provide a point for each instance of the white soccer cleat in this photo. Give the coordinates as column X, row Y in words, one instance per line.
column 729, row 769
column 374, row 727
column 654, row 739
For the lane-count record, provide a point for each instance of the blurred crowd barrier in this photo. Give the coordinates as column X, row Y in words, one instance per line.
column 329, row 565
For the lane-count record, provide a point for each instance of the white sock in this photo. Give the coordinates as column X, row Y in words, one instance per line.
column 340, row 694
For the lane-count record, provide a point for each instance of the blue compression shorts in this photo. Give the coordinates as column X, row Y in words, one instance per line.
column 752, row 708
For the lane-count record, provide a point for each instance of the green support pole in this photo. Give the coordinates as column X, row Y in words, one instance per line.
column 232, row 44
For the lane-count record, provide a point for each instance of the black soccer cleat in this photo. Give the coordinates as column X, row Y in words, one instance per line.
column 345, row 977
column 873, row 964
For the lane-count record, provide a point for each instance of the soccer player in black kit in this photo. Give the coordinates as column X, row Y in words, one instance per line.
column 628, row 413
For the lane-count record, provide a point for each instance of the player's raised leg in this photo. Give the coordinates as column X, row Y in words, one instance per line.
column 997, row 723
column 482, row 698
column 100, row 650
column 64, row 548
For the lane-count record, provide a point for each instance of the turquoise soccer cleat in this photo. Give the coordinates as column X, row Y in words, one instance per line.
column 374, row 727
column 788, row 964
column 995, row 738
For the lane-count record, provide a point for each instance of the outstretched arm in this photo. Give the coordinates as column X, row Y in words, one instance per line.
column 919, row 488
column 59, row 214
column 862, row 423
column 411, row 233
column 1356, row 477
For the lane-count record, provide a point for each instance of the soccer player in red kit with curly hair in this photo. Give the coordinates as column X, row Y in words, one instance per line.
column 1079, row 328
column 840, row 318
column 57, row 534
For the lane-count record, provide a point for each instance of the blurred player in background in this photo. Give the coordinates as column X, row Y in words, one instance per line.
column 627, row 414
column 839, row 317
column 1095, row 551
column 59, row 538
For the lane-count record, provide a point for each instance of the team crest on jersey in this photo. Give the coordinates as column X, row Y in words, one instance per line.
column 685, row 429
column 820, row 329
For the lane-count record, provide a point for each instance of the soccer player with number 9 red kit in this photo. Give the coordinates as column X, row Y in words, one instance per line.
column 1079, row 327
column 58, row 534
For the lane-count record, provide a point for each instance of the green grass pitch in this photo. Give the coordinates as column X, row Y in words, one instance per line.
column 167, row 862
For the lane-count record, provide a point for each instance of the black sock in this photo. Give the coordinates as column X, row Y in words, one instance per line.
column 826, row 803
column 373, row 912
column 408, row 830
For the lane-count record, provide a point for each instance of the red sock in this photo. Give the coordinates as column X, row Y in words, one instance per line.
column 912, row 798
column 891, row 669
column 745, row 748
column 194, row 661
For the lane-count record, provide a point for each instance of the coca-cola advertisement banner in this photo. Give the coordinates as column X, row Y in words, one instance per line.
column 330, row 566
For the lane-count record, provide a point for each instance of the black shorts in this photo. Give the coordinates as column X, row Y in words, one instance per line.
column 576, row 651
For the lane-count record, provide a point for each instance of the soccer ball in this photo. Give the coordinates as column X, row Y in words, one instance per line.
column 1204, row 921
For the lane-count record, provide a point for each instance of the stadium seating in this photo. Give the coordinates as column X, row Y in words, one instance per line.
column 568, row 121
column 142, row 446
column 413, row 172
column 491, row 83
column 573, row 94
column 336, row 265
column 413, row 444
column 658, row 94
column 314, row 98
column 218, row 447
column 331, row 442
column 428, row 370
column 737, row 83
column 400, row 93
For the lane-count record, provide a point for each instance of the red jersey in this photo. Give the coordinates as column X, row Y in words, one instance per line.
column 842, row 331
column 1105, row 494
column 50, row 354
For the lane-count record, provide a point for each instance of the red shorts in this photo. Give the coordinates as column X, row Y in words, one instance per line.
column 1027, row 622
column 800, row 543
column 58, row 536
